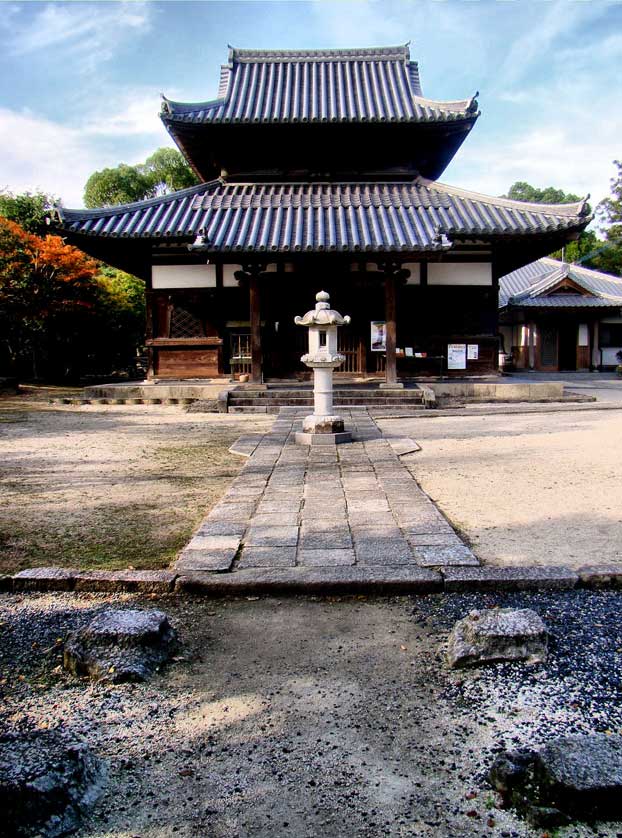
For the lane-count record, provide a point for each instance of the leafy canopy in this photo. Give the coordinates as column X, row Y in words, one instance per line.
column 29, row 209
column 163, row 172
column 522, row 191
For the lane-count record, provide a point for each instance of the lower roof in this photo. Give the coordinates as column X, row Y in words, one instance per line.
column 536, row 286
column 418, row 215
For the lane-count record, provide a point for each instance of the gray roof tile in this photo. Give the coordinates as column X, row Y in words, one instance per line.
column 362, row 85
column 346, row 217
column 529, row 287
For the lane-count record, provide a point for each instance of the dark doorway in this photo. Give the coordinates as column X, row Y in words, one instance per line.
column 568, row 346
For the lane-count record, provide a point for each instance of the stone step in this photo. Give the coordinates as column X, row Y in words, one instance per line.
column 389, row 400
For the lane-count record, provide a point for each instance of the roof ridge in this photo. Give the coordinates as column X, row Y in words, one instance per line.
column 574, row 266
column 395, row 53
column 510, row 203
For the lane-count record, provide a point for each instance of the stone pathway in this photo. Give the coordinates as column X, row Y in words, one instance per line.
column 347, row 512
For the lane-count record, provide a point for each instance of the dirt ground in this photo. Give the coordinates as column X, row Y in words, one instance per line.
column 108, row 486
column 526, row 489
column 303, row 717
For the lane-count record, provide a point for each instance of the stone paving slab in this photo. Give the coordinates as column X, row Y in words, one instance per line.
column 348, row 514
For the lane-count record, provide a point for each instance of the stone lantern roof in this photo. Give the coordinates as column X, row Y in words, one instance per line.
column 322, row 314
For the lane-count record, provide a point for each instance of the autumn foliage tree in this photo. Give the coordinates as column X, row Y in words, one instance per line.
column 57, row 307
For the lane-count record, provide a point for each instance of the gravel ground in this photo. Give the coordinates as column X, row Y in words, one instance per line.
column 109, row 486
column 525, row 489
column 308, row 717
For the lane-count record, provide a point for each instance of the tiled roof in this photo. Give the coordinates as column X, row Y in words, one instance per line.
column 530, row 286
column 346, row 217
column 362, row 85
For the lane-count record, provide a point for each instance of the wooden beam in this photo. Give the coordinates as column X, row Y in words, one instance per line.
column 391, row 327
column 255, row 318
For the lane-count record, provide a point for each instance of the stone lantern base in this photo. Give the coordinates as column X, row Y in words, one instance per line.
column 323, row 430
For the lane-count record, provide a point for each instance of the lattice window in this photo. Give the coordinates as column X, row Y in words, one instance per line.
column 185, row 324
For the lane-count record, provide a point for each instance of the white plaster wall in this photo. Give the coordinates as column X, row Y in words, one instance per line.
column 183, row 276
column 459, row 273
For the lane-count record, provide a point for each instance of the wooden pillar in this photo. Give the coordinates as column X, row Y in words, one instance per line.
column 255, row 319
column 149, row 332
column 391, row 327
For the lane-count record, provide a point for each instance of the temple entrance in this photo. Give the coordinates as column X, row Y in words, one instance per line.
column 283, row 343
column 568, row 346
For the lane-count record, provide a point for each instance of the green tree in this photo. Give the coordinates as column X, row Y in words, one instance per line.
column 28, row 209
column 522, row 191
column 587, row 249
column 168, row 171
column 163, row 172
column 121, row 185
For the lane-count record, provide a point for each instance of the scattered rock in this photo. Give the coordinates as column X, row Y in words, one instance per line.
column 47, row 783
column 120, row 645
column 571, row 778
column 497, row 634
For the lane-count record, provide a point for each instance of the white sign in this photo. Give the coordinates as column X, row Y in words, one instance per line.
column 456, row 356
column 473, row 351
column 378, row 336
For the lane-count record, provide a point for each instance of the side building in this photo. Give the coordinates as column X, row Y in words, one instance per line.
column 555, row 316
column 319, row 171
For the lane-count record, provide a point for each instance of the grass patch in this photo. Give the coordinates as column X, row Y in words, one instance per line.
column 57, row 508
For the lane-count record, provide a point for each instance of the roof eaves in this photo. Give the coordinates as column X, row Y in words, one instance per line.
column 72, row 215
column 574, row 210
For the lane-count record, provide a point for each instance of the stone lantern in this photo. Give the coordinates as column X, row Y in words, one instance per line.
column 322, row 426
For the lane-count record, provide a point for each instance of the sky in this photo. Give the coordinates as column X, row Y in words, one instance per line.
column 80, row 82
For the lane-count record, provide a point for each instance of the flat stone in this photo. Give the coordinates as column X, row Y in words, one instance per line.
column 48, row 782
column 383, row 518
column 213, row 542
column 329, row 557
column 336, row 539
column 216, row 561
column 266, row 557
column 231, row 512
column 378, row 504
column 497, row 634
column 232, row 528
column 317, row 580
column 557, row 578
column 286, row 506
column 120, row 645
column 571, row 778
column 455, row 554
column 431, row 524
column 259, row 536
column 445, row 539
column 45, row 579
column 146, row 581
column 303, row 438
column 383, row 551
column 373, row 532
column 273, row 519
column 600, row 576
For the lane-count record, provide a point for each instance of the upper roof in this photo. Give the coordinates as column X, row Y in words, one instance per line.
column 342, row 85
column 416, row 215
column 535, row 286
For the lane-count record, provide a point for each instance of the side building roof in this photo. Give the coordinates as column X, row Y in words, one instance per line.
column 418, row 215
column 535, row 285
column 343, row 85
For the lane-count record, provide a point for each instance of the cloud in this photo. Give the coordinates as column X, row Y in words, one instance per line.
column 135, row 112
column 89, row 33
column 43, row 154
column 540, row 42
column 550, row 155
